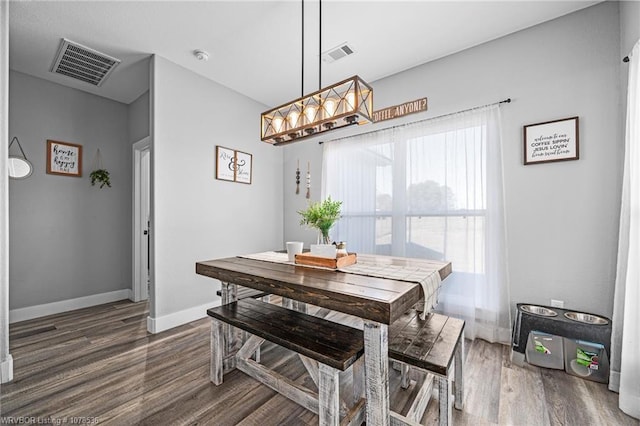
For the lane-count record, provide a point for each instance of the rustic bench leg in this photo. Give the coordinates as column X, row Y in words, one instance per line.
column 229, row 292
column 458, row 384
column 358, row 380
column 404, row 375
column 216, row 370
column 444, row 397
column 376, row 372
column 328, row 396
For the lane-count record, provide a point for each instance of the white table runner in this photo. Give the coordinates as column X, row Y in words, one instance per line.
column 428, row 278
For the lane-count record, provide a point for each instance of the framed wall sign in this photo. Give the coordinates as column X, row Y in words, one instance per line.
column 551, row 141
column 225, row 164
column 64, row 158
column 243, row 167
column 232, row 165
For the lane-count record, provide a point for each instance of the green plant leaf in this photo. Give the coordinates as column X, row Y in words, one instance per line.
column 100, row 176
column 321, row 215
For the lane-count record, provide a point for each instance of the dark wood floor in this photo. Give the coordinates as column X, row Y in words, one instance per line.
column 99, row 365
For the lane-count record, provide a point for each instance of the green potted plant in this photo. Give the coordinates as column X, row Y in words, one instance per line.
column 321, row 216
column 100, row 176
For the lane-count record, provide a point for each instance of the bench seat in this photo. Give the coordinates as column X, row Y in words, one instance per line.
column 434, row 345
column 325, row 348
column 330, row 343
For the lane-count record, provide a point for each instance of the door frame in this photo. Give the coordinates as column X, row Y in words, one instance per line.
column 138, row 291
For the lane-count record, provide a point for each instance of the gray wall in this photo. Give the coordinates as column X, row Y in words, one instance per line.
column 562, row 218
column 629, row 25
column 194, row 216
column 68, row 239
column 138, row 112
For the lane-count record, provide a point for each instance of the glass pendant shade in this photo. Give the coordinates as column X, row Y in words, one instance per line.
column 342, row 104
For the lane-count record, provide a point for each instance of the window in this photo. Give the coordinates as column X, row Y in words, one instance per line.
column 431, row 189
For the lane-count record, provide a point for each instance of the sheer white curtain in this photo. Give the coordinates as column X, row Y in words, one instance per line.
column 625, row 350
column 431, row 189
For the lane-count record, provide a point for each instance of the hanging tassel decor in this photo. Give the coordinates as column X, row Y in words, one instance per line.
column 308, row 179
column 298, row 178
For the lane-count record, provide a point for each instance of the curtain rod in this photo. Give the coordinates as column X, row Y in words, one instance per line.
column 506, row 101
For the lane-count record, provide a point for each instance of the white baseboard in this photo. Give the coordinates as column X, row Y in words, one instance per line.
column 165, row 322
column 614, row 381
column 6, row 370
column 23, row 314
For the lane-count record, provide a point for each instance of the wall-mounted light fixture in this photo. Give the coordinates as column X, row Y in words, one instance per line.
column 19, row 167
column 342, row 104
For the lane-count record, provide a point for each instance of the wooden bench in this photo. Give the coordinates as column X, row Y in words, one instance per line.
column 434, row 345
column 328, row 348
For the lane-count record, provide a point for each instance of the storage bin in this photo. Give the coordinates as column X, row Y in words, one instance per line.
column 545, row 350
column 586, row 359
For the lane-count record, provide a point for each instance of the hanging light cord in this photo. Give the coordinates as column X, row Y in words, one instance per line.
column 319, row 44
column 302, row 73
column 15, row 138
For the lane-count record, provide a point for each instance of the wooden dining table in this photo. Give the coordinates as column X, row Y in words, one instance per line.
column 376, row 300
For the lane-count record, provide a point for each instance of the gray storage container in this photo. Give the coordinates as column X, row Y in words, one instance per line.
column 545, row 350
column 587, row 360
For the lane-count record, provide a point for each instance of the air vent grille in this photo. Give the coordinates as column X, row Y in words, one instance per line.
column 82, row 63
column 336, row 53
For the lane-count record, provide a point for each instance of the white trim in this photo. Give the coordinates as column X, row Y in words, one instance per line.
column 6, row 370
column 614, row 381
column 30, row 312
column 5, row 356
column 166, row 322
column 138, row 222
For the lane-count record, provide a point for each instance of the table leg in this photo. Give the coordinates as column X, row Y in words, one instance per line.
column 376, row 370
column 458, row 384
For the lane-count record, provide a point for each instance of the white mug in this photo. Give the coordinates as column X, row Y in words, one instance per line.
column 293, row 248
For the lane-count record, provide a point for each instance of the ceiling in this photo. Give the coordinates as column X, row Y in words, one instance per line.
column 255, row 46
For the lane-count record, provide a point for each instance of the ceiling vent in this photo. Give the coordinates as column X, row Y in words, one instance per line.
column 336, row 53
column 82, row 63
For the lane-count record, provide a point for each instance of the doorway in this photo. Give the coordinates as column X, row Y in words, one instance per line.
column 141, row 222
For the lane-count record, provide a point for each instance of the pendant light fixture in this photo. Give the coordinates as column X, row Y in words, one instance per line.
column 19, row 167
column 342, row 104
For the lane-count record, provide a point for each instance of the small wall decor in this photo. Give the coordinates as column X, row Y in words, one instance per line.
column 99, row 174
column 308, row 179
column 298, row 178
column 234, row 166
column 551, row 141
column 64, row 158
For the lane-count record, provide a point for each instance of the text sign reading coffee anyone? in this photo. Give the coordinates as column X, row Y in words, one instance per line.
column 401, row 110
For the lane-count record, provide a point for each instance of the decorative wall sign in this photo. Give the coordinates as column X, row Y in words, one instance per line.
column 64, row 158
column 234, row 166
column 551, row 141
column 401, row 110
column 243, row 167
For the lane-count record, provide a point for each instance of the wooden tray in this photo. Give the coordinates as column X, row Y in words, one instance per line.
column 326, row 262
